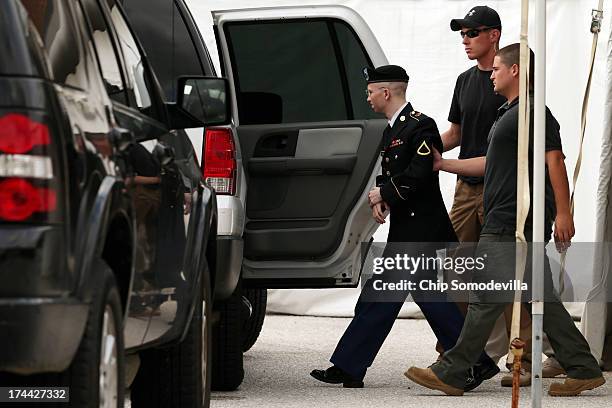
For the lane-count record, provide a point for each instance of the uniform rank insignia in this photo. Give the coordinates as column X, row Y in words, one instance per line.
column 396, row 142
column 415, row 115
column 423, row 149
column 402, row 118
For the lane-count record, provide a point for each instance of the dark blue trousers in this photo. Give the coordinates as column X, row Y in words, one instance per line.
column 375, row 314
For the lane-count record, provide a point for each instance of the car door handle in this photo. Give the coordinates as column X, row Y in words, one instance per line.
column 121, row 138
column 276, row 145
column 274, row 142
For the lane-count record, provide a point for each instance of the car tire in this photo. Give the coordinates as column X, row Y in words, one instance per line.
column 96, row 375
column 179, row 376
column 257, row 299
column 228, row 370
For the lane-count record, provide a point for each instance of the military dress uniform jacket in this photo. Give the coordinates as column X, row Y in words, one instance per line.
column 408, row 184
column 418, row 217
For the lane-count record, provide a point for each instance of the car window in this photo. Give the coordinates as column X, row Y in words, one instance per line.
column 171, row 51
column 134, row 61
column 55, row 25
column 286, row 72
column 20, row 58
column 354, row 58
column 107, row 56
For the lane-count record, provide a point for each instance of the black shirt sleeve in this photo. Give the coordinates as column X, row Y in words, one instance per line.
column 419, row 170
column 454, row 116
column 553, row 136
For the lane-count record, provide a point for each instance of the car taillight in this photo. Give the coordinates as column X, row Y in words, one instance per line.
column 19, row 199
column 220, row 160
column 19, row 134
column 26, row 169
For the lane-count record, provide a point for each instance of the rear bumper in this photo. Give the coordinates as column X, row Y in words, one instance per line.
column 40, row 334
column 228, row 265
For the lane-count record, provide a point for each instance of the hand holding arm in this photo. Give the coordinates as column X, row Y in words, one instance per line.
column 474, row 167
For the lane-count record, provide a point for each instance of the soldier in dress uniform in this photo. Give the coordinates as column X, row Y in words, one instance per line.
column 409, row 191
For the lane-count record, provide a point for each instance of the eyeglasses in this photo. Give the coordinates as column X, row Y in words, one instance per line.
column 474, row 32
column 369, row 93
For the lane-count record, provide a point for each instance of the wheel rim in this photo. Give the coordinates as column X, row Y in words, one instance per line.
column 108, row 361
column 204, row 349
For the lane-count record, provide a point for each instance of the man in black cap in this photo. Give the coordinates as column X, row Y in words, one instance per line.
column 473, row 111
column 410, row 191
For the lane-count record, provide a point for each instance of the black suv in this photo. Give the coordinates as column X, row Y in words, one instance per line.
column 107, row 232
column 176, row 48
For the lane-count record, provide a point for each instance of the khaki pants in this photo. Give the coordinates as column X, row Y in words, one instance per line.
column 467, row 214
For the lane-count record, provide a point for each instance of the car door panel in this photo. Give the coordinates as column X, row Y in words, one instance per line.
column 308, row 139
column 303, row 191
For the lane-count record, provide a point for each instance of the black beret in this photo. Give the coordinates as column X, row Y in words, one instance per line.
column 385, row 73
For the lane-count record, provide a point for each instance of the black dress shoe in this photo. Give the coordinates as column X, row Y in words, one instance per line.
column 335, row 375
column 479, row 373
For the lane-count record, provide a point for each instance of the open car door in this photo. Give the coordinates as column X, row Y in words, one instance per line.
column 309, row 140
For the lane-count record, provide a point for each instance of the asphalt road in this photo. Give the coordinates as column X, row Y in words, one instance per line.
column 289, row 347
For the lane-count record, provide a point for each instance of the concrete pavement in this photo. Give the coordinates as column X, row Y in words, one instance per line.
column 290, row 347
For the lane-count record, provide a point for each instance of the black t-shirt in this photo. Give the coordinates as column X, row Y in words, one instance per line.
column 143, row 162
column 474, row 108
column 500, row 172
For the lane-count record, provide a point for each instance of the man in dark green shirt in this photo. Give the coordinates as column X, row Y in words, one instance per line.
column 499, row 169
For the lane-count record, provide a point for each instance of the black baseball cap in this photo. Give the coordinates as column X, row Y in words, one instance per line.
column 476, row 17
column 385, row 73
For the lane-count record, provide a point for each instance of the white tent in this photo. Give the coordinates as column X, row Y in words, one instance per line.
column 415, row 34
column 599, row 307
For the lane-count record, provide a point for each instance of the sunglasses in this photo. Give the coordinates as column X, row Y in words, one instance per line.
column 474, row 32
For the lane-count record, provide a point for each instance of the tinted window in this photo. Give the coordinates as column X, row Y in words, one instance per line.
column 20, row 45
column 55, row 25
column 170, row 50
column 286, row 72
column 134, row 62
column 354, row 60
column 106, row 52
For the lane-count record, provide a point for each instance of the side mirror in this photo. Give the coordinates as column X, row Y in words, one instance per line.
column 201, row 101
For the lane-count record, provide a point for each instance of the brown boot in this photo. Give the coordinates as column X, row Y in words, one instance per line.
column 524, row 379
column 551, row 368
column 573, row 386
column 427, row 378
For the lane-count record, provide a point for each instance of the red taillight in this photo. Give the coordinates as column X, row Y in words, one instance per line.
column 19, row 199
column 19, row 134
column 220, row 160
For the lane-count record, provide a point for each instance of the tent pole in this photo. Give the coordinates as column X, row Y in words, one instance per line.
column 538, row 203
column 523, row 200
